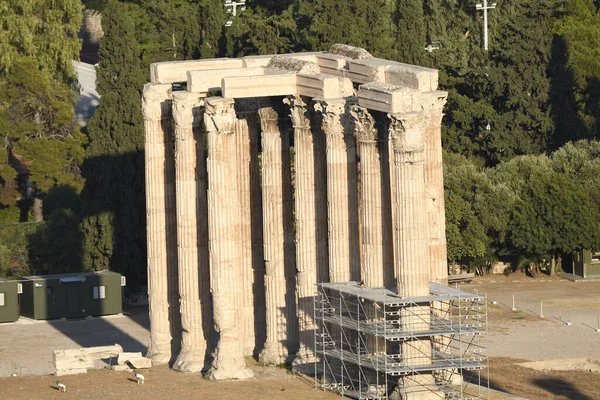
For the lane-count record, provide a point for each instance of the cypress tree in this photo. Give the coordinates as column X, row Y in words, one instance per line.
column 113, row 197
column 411, row 32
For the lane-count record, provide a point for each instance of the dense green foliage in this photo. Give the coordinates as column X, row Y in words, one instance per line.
column 41, row 147
column 113, row 197
column 516, row 187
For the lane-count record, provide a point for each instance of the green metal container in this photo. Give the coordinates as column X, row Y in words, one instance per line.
column 9, row 300
column 72, row 295
column 586, row 264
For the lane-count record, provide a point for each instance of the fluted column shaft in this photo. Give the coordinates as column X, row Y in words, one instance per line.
column 187, row 114
column 163, row 293
column 342, row 196
column 311, row 225
column 275, row 175
column 224, row 244
column 244, row 158
column 377, row 261
column 434, row 182
column 408, row 136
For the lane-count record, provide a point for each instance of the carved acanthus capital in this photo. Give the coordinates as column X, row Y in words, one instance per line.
column 332, row 113
column 437, row 100
column 407, row 132
column 156, row 101
column 219, row 115
column 188, row 109
column 298, row 112
column 269, row 120
column 363, row 124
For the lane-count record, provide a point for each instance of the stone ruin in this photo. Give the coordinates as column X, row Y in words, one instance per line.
column 266, row 175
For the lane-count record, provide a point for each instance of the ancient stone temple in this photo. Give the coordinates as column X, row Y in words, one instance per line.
column 267, row 175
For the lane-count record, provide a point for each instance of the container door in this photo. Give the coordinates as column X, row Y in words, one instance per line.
column 74, row 300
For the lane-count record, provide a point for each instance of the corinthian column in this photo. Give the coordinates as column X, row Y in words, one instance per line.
column 311, row 226
column 163, row 296
column 276, row 212
column 377, row 253
column 187, row 114
column 224, row 244
column 434, row 188
column 342, row 197
column 408, row 136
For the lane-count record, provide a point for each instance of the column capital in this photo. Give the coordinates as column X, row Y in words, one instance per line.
column 364, row 124
column 156, row 101
column 188, row 109
column 298, row 112
column 332, row 112
column 436, row 102
column 407, row 132
column 269, row 120
column 219, row 115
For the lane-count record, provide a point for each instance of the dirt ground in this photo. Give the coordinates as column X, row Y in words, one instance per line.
column 513, row 337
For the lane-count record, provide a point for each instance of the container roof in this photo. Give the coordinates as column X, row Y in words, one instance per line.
column 70, row 276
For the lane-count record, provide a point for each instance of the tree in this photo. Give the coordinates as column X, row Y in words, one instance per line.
column 41, row 147
column 43, row 29
column 411, row 39
column 113, row 198
column 553, row 214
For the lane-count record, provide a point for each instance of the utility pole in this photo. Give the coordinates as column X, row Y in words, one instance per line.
column 485, row 8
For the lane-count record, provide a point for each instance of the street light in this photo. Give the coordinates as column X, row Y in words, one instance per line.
column 485, row 8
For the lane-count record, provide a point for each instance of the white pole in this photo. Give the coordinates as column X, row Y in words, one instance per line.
column 541, row 309
column 485, row 26
column 569, row 318
column 513, row 307
column 598, row 329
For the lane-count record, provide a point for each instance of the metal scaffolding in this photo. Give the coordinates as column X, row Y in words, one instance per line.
column 369, row 339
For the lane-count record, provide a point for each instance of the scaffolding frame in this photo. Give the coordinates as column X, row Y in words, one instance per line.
column 368, row 339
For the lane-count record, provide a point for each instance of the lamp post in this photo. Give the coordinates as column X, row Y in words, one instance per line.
column 485, row 8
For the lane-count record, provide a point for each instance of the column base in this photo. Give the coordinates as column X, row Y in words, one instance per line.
column 220, row 374
column 190, row 362
column 157, row 357
column 417, row 387
column 271, row 355
column 305, row 363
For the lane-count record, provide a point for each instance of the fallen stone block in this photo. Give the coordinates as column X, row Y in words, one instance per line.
column 124, row 357
column 121, row 368
column 140, row 363
column 74, row 371
column 76, row 361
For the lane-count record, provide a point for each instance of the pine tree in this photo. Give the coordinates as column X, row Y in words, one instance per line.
column 38, row 41
column 113, row 198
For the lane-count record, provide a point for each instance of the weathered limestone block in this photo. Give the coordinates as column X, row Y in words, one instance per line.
column 76, row 361
column 224, row 230
column 412, row 76
column 187, row 113
column 356, row 53
column 323, row 86
column 263, row 60
column 204, row 81
column 140, row 363
column 311, row 225
column 176, row 71
column 286, row 62
column 342, row 197
column 259, row 86
column 276, row 185
column 163, row 296
column 124, row 357
column 390, row 99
